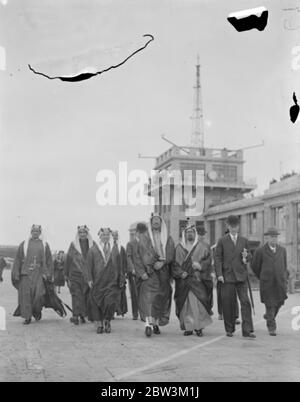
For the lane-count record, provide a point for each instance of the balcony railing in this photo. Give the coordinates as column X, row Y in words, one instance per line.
column 192, row 152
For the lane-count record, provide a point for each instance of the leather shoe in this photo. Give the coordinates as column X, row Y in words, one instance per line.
column 156, row 330
column 148, row 331
column 38, row 317
column 27, row 322
column 187, row 333
column 251, row 336
column 229, row 334
column 74, row 320
column 272, row 333
column 100, row 330
column 199, row 332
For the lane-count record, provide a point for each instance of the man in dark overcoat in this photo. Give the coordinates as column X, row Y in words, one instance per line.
column 270, row 265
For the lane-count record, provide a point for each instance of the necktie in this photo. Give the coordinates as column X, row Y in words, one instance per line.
column 106, row 250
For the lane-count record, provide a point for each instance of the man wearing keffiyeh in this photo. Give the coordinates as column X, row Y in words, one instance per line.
column 154, row 258
column 193, row 307
column 76, row 273
column 33, row 264
column 105, row 280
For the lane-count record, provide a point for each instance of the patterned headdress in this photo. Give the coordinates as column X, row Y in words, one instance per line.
column 36, row 227
column 155, row 214
column 189, row 226
column 83, row 227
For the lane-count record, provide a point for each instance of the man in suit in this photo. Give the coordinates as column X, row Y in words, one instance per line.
column 206, row 272
column 219, row 286
column 231, row 257
column 270, row 266
column 131, row 274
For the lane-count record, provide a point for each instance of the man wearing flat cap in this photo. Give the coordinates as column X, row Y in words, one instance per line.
column 270, row 266
column 231, row 258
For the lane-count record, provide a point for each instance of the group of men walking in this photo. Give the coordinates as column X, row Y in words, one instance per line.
column 97, row 271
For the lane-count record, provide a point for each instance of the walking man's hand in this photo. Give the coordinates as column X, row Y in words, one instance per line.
column 145, row 277
column 221, row 279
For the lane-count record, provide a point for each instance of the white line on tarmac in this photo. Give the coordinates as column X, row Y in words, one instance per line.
column 183, row 352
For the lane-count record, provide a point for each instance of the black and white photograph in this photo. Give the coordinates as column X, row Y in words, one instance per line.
column 150, row 194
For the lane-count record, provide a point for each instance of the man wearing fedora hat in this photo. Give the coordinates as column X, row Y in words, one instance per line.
column 270, row 265
column 231, row 257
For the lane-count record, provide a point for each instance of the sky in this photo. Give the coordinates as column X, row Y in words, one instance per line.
column 56, row 136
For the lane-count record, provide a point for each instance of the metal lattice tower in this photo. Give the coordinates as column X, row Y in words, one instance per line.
column 197, row 139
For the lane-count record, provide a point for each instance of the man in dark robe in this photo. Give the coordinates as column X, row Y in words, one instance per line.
column 105, row 281
column 76, row 273
column 270, row 265
column 155, row 256
column 206, row 272
column 33, row 264
column 2, row 266
column 131, row 250
column 193, row 304
column 231, row 257
column 122, row 308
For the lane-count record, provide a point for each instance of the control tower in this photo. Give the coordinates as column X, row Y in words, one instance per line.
column 223, row 173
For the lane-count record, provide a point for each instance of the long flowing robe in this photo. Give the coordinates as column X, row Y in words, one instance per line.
column 155, row 293
column 76, row 272
column 33, row 260
column 193, row 307
column 206, row 271
column 122, row 309
column 106, row 275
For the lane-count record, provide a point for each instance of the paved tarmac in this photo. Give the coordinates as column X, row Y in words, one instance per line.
column 55, row 350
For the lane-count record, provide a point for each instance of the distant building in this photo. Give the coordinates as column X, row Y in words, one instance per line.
column 279, row 206
column 224, row 189
column 223, row 181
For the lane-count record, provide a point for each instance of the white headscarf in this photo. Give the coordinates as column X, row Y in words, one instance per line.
column 76, row 240
column 26, row 242
column 163, row 232
column 183, row 239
